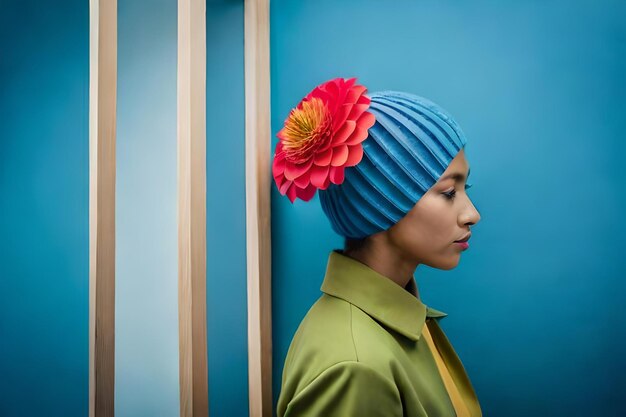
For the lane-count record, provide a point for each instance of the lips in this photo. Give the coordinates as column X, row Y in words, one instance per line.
column 465, row 239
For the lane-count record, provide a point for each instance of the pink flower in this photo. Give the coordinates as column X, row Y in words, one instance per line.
column 321, row 137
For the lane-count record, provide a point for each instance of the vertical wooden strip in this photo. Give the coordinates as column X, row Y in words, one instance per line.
column 191, row 144
column 102, row 102
column 258, row 238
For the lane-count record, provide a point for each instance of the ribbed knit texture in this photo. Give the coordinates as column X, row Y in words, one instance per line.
column 409, row 147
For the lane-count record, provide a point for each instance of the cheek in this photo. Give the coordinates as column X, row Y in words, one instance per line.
column 438, row 225
column 428, row 231
column 437, row 248
column 425, row 235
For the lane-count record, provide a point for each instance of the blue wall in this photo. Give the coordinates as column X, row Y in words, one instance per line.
column 44, row 208
column 535, row 306
column 146, row 288
column 227, row 330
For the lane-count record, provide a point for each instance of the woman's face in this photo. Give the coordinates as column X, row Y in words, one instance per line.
column 428, row 232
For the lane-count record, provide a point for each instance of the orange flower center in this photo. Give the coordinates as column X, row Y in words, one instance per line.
column 306, row 129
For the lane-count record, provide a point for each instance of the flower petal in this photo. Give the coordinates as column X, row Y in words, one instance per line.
column 336, row 175
column 284, row 186
column 355, row 155
column 279, row 179
column 349, row 82
column 332, row 89
column 291, row 192
column 303, row 180
column 278, row 166
column 333, row 86
column 326, row 183
column 340, row 155
column 293, row 171
column 366, row 120
column 355, row 93
column 319, row 93
column 319, row 175
column 358, row 136
column 307, row 193
column 323, row 158
column 334, row 92
column 343, row 91
column 357, row 110
column 344, row 132
column 341, row 115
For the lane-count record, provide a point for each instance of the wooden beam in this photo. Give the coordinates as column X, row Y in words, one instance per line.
column 258, row 226
column 102, row 123
column 191, row 144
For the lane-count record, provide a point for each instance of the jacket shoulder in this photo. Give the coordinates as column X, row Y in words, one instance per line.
column 322, row 339
column 345, row 389
column 322, row 345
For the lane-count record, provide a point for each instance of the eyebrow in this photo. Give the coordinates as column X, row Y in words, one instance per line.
column 456, row 176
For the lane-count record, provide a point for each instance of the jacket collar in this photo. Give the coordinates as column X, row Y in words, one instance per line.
column 378, row 296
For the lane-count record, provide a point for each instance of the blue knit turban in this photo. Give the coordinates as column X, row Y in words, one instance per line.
column 409, row 147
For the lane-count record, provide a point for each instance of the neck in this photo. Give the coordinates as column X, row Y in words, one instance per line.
column 384, row 258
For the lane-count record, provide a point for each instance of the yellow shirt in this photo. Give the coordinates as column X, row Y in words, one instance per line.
column 370, row 348
column 460, row 407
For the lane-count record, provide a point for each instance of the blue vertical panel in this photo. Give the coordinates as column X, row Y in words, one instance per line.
column 535, row 308
column 226, row 212
column 146, row 363
column 44, row 208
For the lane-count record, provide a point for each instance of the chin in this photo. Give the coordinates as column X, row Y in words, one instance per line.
column 445, row 264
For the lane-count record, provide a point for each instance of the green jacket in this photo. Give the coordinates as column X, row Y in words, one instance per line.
column 358, row 352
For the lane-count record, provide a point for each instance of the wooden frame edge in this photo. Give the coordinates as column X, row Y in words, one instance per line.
column 191, row 150
column 102, row 130
column 258, row 216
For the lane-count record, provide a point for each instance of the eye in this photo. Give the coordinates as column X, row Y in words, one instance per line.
column 450, row 194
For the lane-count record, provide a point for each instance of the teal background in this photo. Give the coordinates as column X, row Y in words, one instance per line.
column 227, row 328
column 44, row 208
column 146, row 282
column 535, row 306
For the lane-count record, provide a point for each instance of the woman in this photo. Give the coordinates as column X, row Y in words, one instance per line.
column 392, row 173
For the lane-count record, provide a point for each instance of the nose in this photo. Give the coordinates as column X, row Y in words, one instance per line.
column 469, row 215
